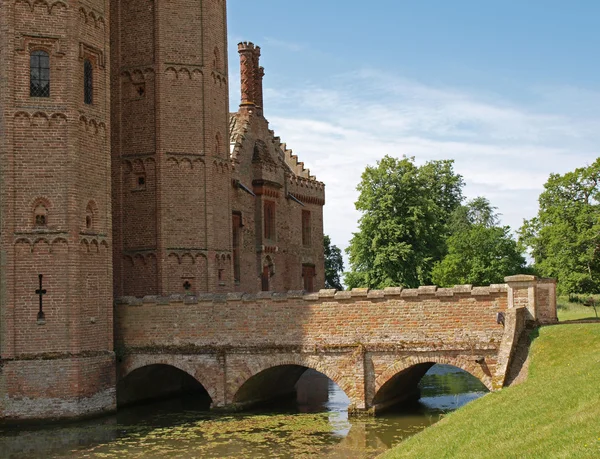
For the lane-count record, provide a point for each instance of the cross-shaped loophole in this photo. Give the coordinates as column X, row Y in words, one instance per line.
column 41, row 292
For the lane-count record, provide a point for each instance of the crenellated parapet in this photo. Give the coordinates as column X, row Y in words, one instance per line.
column 356, row 294
column 375, row 344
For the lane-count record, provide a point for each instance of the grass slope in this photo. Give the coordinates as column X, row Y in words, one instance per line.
column 554, row 414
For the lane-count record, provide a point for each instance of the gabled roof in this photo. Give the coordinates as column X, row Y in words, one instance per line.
column 239, row 126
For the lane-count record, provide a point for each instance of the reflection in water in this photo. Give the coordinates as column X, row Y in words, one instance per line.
column 316, row 425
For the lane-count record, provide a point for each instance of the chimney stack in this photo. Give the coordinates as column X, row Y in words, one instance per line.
column 251, row 76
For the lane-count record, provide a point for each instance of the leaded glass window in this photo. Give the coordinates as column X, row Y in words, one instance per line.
column 39, row 74
column 88, row 82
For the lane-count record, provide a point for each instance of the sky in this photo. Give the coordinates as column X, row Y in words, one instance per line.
column 510, row 90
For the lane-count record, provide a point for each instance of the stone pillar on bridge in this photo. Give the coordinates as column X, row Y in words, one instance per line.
column 531, row 302
column 537, row 295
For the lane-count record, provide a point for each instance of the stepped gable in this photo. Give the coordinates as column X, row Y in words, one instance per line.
column 237, row 129
column 240, row 125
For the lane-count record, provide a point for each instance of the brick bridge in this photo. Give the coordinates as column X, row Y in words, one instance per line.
column 376, row 345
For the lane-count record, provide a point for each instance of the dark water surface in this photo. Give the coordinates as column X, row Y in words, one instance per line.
column 316, row 425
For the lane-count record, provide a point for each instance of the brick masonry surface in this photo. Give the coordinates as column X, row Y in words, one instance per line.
column 136, row 182
column 361, row 339
column 132, row 190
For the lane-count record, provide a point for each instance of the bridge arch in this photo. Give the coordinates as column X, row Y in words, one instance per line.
column 202, row 374
column 405, row 374
column 286, row 370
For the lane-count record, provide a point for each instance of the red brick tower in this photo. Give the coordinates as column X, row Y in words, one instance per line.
column 170, row 147
column 56, row 305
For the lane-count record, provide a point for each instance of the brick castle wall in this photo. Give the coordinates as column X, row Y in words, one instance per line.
column 360, row 339
column 55, row 212
column 171, row 171
column 431, row 317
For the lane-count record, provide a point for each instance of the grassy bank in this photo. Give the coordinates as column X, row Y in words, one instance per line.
column 555, row 413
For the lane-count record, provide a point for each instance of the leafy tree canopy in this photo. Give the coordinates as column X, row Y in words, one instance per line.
column 564, row 238
column 406, row 211
column 479, row 251
column 334, row 265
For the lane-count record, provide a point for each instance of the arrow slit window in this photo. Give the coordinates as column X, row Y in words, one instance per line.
column 306, row 227
column 269, row 220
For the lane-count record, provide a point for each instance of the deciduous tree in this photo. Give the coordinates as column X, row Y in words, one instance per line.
column 480, row 252
column 406, row 211
column 334, row 265
column 564, row 238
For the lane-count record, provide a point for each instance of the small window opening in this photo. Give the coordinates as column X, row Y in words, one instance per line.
column 308, row 277
column 269, row 220
column 306, row 228
column 88, row 82
column 39, row 74
column 140, row 181
column 141, row 90
column 264, row 278
column 41, row 215
column 89, row 216
column 237, row 235
column 187, row 286
column 216, row 59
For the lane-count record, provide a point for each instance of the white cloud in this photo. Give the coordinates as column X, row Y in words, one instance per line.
column 503, row 150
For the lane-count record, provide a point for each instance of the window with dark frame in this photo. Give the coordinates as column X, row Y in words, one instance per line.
column 237, row 232
column 88, row 82
column 306, row 227
column 39, row 74
column 269, row 220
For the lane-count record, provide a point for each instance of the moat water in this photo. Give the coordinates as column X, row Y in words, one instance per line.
column 316, row 425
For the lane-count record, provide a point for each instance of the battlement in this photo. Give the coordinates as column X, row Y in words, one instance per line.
column 329, row 295
column 248, row 46
column 538, row 296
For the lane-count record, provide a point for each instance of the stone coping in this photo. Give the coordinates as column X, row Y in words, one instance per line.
column 322, row 296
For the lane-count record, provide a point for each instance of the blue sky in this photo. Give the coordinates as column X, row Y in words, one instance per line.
column 508, row 89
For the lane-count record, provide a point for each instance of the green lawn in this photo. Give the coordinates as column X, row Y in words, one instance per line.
column 554, row 414
column 574, row 311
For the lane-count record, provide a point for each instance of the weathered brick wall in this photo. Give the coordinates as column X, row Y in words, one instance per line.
column 375, row 345
column 360, row 339
column 265, row 165
column 170, row 105
column 55, row 386
column 546, row 301
column 537, row 295
column 429, row 317
column 55, row 161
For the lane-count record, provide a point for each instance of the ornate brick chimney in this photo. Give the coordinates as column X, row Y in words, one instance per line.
column 246, row 51
column 251, row 77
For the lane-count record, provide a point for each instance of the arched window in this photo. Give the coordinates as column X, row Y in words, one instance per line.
column 88, row 82
column 89, row 217
column 39, row 74
column 40, row 215
column 217, row 144
column 216, row 59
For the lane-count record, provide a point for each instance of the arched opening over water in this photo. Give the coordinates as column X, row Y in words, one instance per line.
column 440, row 387
column 160, row 381
column 292, row 386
